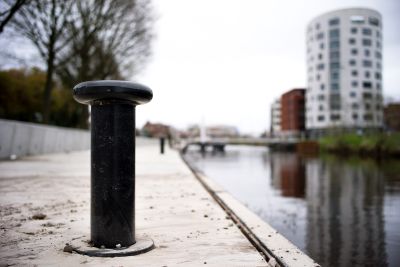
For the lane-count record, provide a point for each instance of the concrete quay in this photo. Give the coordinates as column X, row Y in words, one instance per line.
column 175, row 208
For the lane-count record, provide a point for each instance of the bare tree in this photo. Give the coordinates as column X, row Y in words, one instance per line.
column 110, row 40
column 8, row 10
column 44, row 23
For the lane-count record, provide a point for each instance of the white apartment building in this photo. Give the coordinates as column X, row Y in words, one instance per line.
column 344, row 66
column 276, row 117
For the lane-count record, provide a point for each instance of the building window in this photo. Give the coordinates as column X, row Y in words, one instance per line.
column 335, row 117
column 378, row 55
column 378, row 44
column 367, row 63
column 354, row 106
column 367, row 52
column 367, row 85
column 352, row 62
column 367, row 31
column 334, row 21
column 320, row 56
column 321, row 46
column 334, row 44
column 317, row 26
column 367, row 106
column 378, row 107
column 352, row 41
column 322, row 86
column 354, row 83
column 321, row 108
column 320, row 66
column 354, row 73
column 354, row 51
column 320, row 36
column 334, row 33
column 321, row 97
column 334, row 86
column 321, row 118
column 367, row 96
column 378, row 65
column 355, row 116
column 335, row 65
column 334, row 75
column 378, row 34
column 353, row 30
column 373, row 21
column 377, row 75
column 353, row 94
column 357, row 19
column 378, row 86
column 366, row 42
column 334, row 55
column 318, row 77
column 367, row 74
column 368, row 117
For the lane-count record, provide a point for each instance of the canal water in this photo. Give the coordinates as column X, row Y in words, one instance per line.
column 340, row 211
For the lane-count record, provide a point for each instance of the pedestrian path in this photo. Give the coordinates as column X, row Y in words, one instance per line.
column 45, row 203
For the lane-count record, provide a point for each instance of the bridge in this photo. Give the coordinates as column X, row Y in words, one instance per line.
column 218, row 144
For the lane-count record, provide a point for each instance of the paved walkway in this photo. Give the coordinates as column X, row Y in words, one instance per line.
column 188, row 227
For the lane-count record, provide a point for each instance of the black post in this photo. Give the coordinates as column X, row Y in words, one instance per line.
column 162, row 144
column 112, row 158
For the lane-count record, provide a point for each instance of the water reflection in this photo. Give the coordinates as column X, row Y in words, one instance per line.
column 288, row 174
column 342, row 212
column 345, row 213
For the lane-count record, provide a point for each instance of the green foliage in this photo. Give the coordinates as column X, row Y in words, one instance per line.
column 377, row 143
column 21, row 98
column 21, row 94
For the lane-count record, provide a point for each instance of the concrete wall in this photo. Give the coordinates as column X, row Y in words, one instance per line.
column 22, row 139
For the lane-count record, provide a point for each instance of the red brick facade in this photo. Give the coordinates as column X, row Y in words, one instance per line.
column 293, row 110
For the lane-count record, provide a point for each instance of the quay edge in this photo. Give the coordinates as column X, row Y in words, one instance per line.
column 275, row 248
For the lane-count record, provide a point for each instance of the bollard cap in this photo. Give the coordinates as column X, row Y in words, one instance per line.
column 111, row 91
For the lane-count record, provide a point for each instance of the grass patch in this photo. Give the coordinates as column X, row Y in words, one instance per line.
column 380, row 144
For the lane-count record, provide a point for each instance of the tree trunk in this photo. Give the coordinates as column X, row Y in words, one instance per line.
column 47, row 89
column 50, row 64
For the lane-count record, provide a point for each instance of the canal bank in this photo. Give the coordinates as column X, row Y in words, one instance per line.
column 267, row 240
column 45, row 203
column 339, row 211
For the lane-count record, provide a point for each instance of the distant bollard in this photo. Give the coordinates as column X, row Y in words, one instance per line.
column 113, row 166
column 162, row 145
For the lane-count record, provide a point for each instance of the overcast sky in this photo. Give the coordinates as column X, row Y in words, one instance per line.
column 225, row 61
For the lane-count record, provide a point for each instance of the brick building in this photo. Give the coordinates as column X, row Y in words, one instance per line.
column 293, row 111
column 392, row 117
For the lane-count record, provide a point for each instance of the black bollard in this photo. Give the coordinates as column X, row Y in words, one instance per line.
column 162, row 144
column 113, row 161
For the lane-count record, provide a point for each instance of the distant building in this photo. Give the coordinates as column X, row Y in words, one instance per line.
column 276, row 117
column 155, row 130
column 344, row 66
column 214, row 131
column 292, row 111
column 222, row 131
column 392, row 117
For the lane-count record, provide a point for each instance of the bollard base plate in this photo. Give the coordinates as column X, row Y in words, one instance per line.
column 82, row 246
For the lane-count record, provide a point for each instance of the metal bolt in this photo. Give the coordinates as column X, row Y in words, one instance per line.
column 112, row 158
